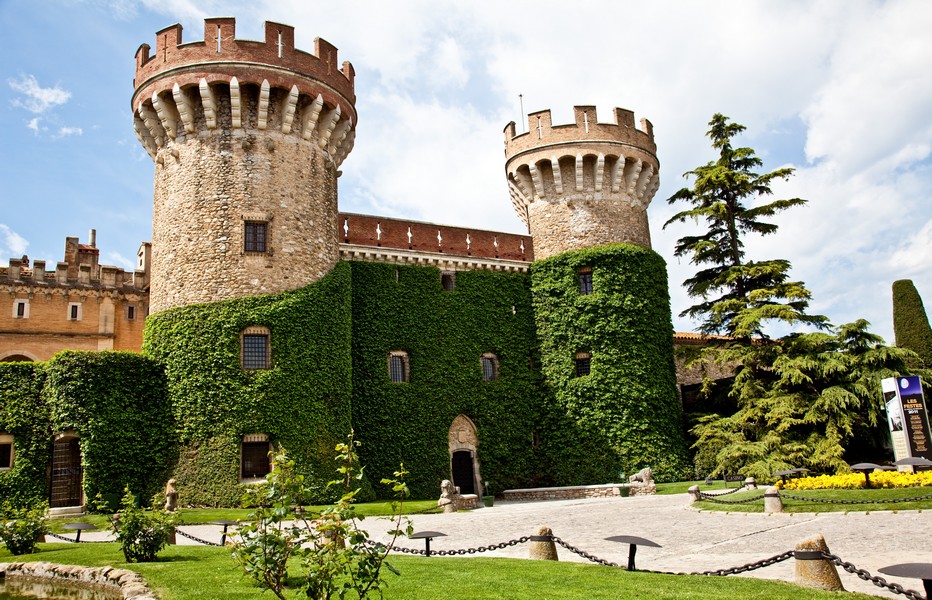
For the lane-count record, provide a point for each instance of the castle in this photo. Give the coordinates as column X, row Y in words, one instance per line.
column 277, row 321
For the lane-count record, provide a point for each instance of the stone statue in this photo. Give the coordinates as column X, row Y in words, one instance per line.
column 171, row 496
column 645, row 475
column 448, row 495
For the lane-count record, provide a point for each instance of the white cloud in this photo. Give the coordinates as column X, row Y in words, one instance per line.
column 66, row 131
column 11, row 243
column 33, row 124
column 37, row 99
column 118, row 260
column 448, row 66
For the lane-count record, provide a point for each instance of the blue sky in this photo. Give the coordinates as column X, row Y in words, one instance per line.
column 841, row 90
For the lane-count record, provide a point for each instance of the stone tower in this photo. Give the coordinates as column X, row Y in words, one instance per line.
column 247, row 139
column 584, row 184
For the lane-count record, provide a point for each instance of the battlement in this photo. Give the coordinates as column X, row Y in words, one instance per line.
column 221, row 46
column 417, row 236
column 585, row 129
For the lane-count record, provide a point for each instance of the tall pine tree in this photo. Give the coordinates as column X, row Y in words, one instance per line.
column 910, row 323
column 736, row 296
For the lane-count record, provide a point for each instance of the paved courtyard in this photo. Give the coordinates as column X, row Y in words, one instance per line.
column 691, row 540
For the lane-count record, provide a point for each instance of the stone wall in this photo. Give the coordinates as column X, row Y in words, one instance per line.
column 120, row 582
column 579, row 491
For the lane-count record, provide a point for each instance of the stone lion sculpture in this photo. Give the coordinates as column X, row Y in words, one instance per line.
column 448, row 494
column 171, row 496
column 645, row 475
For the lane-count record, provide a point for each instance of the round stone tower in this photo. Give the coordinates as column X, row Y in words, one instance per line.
column 247, row 139
column 584, row 184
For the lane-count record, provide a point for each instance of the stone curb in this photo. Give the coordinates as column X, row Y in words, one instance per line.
column 128, row 583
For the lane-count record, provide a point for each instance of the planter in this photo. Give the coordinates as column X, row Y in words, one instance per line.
column 488, row 500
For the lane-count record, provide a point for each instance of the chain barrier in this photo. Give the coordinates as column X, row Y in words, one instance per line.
column 875, row 579
column 760, row 564
column 712, row 498
column 585, row 554
column 725, row 493
column 196, row 539
column 74, row 541
column 834, row 501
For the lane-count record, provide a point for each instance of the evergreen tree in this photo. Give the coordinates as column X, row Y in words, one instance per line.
column 737, row 296
column 910, row 323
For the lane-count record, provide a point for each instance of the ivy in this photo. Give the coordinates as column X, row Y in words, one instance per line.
column 624, row 415
column 24, row 414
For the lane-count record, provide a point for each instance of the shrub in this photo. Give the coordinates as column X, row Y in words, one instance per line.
column 21, row 528
column 141, row 534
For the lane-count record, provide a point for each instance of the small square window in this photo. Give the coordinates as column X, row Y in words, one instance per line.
column 585, row 280
column 398, row 367
column 21, row 309
column 74, row 311
column 131, row 313
column 255, row 460
column 255, row 236
column 583, row 363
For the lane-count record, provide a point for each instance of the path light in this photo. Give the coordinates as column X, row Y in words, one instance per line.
column 914, row 461
column 921, row 571
column 634, row 542
column 867, row 469
column 226, row 523
column 79, row 527
column 427, row 536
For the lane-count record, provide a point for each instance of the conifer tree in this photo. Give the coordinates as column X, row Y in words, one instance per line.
column 910, row 323
column 737, row 296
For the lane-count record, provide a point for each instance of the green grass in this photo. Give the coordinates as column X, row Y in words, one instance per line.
column 209, row 515
column 790, row 505
column 199, row 572
column 681, row 487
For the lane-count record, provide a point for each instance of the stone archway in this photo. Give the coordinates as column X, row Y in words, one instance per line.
column 464, row 463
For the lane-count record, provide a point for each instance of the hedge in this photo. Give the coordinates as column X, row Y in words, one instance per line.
column 910, row 322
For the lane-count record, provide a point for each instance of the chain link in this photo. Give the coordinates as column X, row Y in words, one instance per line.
column 875, row 579
column 584, row 554
column 712, row 498
column 73, row 541
column 196, row 539
column 737, row 489
column 834, row 501
column 760, row 564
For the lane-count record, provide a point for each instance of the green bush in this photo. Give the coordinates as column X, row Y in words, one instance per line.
column 22, row 528
column 24, row 414
column 910, row 322
column 140, row 533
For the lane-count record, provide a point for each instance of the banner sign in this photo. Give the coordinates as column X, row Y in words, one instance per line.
column 907, row 417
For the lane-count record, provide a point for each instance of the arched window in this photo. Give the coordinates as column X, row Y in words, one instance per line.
column 398, row 367
column 254, row 348
column 583, row 363
column 489, row 367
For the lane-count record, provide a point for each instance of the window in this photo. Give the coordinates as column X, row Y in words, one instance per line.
column 255, row 348
column 130, row 313
column 489, row 367
column 254, row 461
column 256, row 236
column 6, row 452
column 398, row 366
column 448, row 280
column 74, row 311
column 583, row 363
column 585, row 280
column 21, row 309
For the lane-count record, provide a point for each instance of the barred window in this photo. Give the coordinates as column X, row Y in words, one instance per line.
column 255, row 348
column 398, row 366
column 583, row 363
column 255, row 236
column 585, row 280
column 254, row 463
column 489, row 367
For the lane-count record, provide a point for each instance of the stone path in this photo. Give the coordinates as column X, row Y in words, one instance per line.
column 691, row 540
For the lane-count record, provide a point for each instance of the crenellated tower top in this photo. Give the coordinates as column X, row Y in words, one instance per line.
column 248, row 138
column 585, row 183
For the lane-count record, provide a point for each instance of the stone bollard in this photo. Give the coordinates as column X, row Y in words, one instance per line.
column 693, row 494
column 812, row 569
column 750, row 483
column 772, row 501
column 543, row 546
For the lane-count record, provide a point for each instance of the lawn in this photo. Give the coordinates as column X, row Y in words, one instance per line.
column 792, row 505
column 199, row 572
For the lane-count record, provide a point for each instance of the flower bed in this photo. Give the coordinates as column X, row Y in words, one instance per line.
column 851, row 481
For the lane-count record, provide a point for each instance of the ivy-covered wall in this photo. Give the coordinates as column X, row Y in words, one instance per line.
column 302, row 402
column 118, row 404
column 24, row 414
column 445, row 333
column 626, row 414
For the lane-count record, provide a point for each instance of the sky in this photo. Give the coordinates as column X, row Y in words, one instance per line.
column 840, row 90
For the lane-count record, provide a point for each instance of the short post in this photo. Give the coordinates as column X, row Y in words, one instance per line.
column 543, row 546
column 772, row 501
column 812, row 568
column 171, row 537
column 693, row 492
column 633, row 543
column 750, row 483
column 226, row 523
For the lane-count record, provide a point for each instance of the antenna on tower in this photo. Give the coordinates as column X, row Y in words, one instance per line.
column 521, row 119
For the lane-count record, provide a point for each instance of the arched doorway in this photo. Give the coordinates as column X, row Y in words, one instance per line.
column 464, row 465
column 67, row 474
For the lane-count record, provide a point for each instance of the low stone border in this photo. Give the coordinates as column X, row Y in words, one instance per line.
column 572, row 492
column 128, row 584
